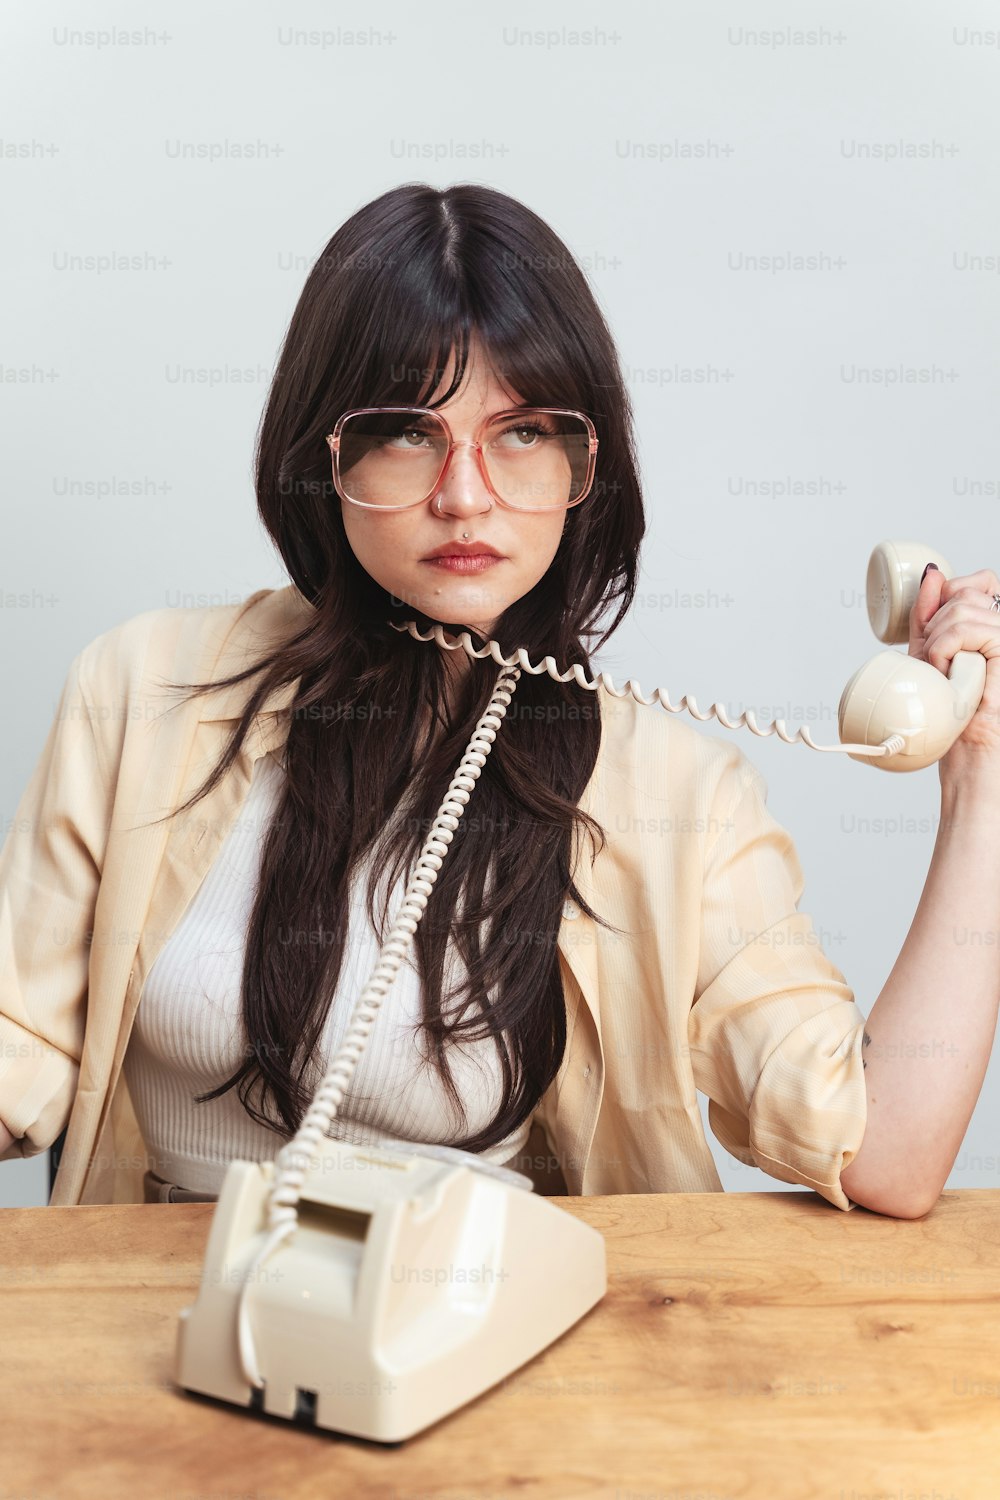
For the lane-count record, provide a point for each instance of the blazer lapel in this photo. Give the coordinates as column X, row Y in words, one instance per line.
column 162, row 865
column 577, row 936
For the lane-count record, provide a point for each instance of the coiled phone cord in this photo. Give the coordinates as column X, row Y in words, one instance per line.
column 293, row 1161
column 576, row 674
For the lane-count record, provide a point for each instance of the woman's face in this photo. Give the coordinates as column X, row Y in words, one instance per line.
column 395, row 547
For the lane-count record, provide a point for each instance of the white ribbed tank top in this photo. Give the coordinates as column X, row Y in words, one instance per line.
column 187, row 1033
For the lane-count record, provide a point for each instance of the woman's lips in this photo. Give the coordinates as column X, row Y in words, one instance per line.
column 474, row 562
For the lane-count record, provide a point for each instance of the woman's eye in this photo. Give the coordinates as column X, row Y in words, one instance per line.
column 523, row 436
column 529, row 435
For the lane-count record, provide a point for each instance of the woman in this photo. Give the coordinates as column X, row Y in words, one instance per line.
column 615, row 924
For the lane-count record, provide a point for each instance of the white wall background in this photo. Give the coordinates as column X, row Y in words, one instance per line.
column 665, row 143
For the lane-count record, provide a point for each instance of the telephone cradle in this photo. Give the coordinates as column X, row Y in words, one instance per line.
column 413, row 1284
column 330, row 1289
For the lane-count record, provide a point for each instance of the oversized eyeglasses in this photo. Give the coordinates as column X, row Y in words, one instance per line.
column 396, row 457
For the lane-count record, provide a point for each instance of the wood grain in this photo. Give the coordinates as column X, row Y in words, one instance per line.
column 750, row 1345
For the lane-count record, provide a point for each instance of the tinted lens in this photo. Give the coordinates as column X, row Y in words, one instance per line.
column 536, row 460
column 391, row 458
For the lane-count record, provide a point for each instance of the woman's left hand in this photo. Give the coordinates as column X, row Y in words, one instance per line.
column 952, row 615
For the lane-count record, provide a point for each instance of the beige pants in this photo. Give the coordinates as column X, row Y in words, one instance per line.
column 157, row 1190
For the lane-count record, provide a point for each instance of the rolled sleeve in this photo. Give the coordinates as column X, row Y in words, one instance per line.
column 50, row 871
column 774, row 1030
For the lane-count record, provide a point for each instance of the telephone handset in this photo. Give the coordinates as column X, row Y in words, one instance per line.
column 364, row 1326
column 896, row 712
column 894, row 693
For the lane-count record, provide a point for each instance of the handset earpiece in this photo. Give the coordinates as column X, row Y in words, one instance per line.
column 897, row 694
column 892, row 584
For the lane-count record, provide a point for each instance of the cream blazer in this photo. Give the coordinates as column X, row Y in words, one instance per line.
column 718, row 983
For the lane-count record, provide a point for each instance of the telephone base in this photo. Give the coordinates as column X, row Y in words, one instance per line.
column 409, row 1287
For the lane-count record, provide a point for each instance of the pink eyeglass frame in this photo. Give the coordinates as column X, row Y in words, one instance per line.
column 333, row 440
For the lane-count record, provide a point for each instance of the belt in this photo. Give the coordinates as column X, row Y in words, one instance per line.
column 158, row 1190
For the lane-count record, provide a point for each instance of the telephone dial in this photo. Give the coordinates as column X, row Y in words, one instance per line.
column 373, row 1290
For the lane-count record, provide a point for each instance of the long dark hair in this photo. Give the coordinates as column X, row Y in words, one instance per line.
column 409, row 278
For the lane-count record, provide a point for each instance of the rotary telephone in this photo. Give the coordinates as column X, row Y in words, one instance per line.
column 373, row 1290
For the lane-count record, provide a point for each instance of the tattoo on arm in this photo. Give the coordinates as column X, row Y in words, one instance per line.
column 865, row 1041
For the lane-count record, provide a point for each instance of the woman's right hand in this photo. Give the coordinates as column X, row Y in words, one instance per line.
column 6, row 1139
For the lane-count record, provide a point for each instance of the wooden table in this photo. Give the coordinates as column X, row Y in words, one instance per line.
column 750, row 1344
